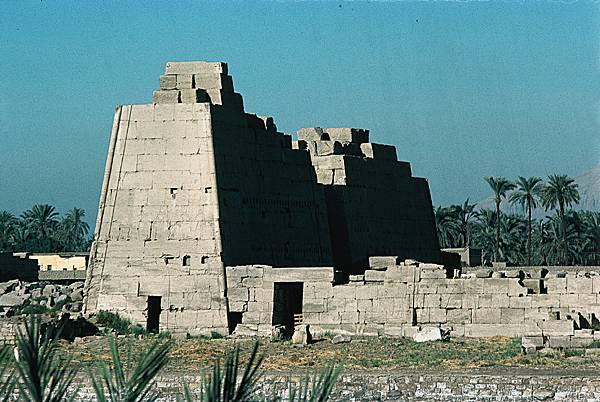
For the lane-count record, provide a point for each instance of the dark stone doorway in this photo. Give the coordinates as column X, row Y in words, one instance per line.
column 287, row 302
column 153, row 320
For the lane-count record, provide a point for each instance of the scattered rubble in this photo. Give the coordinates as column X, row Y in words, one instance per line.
column 24, row 298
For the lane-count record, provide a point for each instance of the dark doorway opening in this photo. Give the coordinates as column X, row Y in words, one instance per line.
column 287, row 303
column 153, row 320
column 235, row 318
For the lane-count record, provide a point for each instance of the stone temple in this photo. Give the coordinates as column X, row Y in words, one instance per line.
column 194, row 185
column 210, row 220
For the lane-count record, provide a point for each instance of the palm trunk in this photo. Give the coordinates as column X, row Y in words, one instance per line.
column 497, row 252
column 529, row 232
column 564, row 233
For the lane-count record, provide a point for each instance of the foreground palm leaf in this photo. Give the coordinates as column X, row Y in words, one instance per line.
column 42, row 375
column 123, row 385
column 7, row 384
column 320, row 386
column 222, row 385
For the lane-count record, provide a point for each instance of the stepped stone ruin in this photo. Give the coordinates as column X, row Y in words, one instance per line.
column 210, row 220
column 194, row 185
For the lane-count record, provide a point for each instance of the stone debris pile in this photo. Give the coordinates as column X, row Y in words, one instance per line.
column 21, row 298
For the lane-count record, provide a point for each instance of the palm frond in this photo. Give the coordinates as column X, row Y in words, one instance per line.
column 222, row 384
column 125, row 385
column 43, row 376
column 8, row 381
column 318, row 387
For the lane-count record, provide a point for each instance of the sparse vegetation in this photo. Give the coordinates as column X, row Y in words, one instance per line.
column 120, row 325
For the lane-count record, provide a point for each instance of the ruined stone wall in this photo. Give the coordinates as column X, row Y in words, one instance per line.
column 375, row 205
column 397, row 299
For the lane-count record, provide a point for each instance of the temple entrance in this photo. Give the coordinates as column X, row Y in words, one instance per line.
column 153, row 320
column 287, row 304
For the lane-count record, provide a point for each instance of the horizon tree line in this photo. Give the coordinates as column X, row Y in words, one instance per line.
column 566, row 237
column 42, row 229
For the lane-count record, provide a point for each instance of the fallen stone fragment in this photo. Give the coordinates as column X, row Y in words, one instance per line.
column 11, row 299
column 301, row 335
column 341, row 339
column 430, row 334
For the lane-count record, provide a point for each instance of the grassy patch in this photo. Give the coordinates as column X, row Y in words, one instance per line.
column 114, row 322
column 361, row 354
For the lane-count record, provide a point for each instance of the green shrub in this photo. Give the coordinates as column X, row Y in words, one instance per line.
column 594, row 345
column 574, row 352
column 120, row 325
column 30, row 309
column 215, row 335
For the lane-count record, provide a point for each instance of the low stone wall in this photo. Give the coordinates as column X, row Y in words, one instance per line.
column 397, row 299
column 515, row 385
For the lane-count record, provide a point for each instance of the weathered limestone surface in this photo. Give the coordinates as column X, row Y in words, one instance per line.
column 193, row 183
column 376, row 206
column 397, row 299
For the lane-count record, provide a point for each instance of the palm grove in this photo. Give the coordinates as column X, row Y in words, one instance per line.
column 563, row 237
column 42, row 229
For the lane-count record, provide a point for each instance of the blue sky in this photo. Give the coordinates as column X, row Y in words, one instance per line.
column 463, row 89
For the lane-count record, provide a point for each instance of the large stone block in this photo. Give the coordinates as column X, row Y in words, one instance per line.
column 168, row 81
column 437, row 315
column 451, row 300
column 556, row 285
column 459, row 316
column 374, row 276
column 347, row 134
column 546, row 300
column 432, row 300
column 496, row 285
column 486, row 316
column 512, row 315
column 382, row 262
column 519, row 302
column 196, row 67
column 491, row 330
column 558, row 328
column 238, row 294
column 379, row 151
column 579, row 285
column 171, row 96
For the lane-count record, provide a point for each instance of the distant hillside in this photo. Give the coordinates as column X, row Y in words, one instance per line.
column 589, row 190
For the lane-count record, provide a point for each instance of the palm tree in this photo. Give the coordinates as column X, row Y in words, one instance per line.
column 527, row 195
column 448, row 229
column 465, row 213
column 552, row 246
column 500, row 186
column 560, row 191
column 8, row 224
column 591, row 222
column 484, row 234
column 73, row 230
column 513, row 230
column 42, row 222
